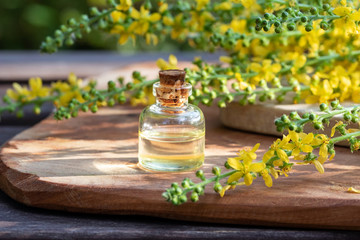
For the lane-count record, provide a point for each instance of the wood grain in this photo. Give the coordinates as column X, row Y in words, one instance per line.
column 89, row 164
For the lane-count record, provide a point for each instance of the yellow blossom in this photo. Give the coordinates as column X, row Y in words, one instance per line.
column 198, row 20
column 353, row 190
column 356, row 95
column 276, row 147
column 265, row 70
column 243, row 163
column 321, row 140
column 178, row 30
column 333, row 129
column 37, row 89
column 69, row 90
column 143, row 19
column 171, row 64
column 321, row 93
column 348, row 18
column 227, row 187
column 125, row 34
column 319, row 166
column 242, row 84
column 124, row 5
column 300, row 142
column 20, row 93
column 298, row 59
column 163, row 7
column 224, row 6
column 225, row 59
column 250, row 5
column 267, row 178
column 200, row 4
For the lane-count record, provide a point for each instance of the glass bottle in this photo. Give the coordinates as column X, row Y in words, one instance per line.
column 171, row 131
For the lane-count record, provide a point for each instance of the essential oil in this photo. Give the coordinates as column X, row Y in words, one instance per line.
column 172, row 131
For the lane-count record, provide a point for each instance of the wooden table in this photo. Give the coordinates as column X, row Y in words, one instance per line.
column 21, row 222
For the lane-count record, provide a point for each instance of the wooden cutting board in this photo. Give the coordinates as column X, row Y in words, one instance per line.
column 89, row 164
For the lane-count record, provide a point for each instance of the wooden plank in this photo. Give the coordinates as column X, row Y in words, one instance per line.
column 89, row 164
column 18, row 221
column 22, row 222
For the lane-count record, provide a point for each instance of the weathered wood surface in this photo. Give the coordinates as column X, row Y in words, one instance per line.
column 18, row 221
column 89, row 164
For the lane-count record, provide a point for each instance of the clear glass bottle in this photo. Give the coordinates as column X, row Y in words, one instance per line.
column 171, row 131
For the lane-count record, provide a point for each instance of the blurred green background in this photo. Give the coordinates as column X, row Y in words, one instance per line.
column 24, row 24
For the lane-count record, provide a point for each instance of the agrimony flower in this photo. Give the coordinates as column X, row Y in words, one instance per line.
column 37, row 89
column 277, row 147
column 244, row 166
column 170, row 64
column 300, row 142
column 266, row 70
column 18, row 93
column 143, row 18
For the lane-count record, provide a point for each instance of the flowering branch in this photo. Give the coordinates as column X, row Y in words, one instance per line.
column 275, row 162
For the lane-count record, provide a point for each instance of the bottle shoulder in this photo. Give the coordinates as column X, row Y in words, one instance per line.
column 155, row 110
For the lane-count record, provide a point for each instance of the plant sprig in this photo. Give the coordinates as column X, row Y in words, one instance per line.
column 275, row 162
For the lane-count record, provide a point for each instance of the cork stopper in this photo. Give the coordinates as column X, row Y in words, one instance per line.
column 172, row 90
column 173, row 77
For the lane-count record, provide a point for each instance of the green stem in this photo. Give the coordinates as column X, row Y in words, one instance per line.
column 209, row 180
column 344, row 137
column 16, row 105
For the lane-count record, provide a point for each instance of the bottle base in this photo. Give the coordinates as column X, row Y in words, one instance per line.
column 180, row 165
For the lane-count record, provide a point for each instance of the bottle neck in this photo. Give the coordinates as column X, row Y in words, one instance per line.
column 167, row 103
column 172, row 97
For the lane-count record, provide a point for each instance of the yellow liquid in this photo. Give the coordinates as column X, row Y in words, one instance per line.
column 171, row 149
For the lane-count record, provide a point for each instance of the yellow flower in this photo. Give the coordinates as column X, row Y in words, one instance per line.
column 124, row 5
column 125, row 34
column 151, row 38
column 266, row 70
column 243, row 163
column 277, row 147
column 298, row 59
column 36, row 88
column 20, row 93
column 227, row 187
column 198, row 20
column 69, row 90
column 319, row 166
column 242, row 84
column 356, row 95
column 348, row 18
column 224, row 6
column 225, row 59
column 200, row 4
column 178, row 30
column 323, row 140
column 321, row 93
column 267, row 178
column 333, row 129
column 143, row 19
column 300, row 142
column 171, row 64
column 163, row 7
column 353, row 190
column 117, row 15
column 310, row 41
column 250, row 5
